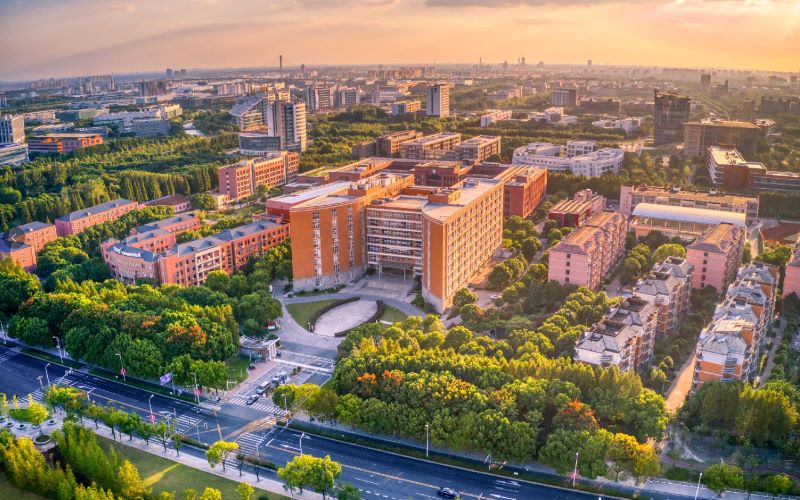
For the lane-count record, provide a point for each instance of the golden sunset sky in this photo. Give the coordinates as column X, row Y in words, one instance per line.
column 71, row 37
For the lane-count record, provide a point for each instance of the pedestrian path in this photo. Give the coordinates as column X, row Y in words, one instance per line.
column 186, row 423
column 249, row 442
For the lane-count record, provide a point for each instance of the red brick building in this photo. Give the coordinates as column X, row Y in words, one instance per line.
column 241, row 180
column 78, row 221
column 63, row 143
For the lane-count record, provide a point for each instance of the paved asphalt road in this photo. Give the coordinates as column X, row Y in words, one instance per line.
column 376, row 473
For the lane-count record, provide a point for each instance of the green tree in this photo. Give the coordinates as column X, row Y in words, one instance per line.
column 219, row 452
column 318, row 474
column 778, row 484
column 130, row 484
column 463, row 297
column 346, row 491
column 211, row 494
column 245, row 491
column 721, row 477
column 668, row 250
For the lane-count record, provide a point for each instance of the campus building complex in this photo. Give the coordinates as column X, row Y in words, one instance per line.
column 152, row 251
column 631, row 196
column 63, row 143
column 578, row 158
column 699, row 136
column 728, row 168
column 440, row 220
column 242, row 179
column 716, row 255
column 680, row 222
column 430, row 147
column 586, row 255
column 80, row 220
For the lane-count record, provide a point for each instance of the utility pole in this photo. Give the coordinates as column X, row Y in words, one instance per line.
column 697, row 491
column 427, row 441
column 122, row 367
column 46, row 374
column 196, row 392
column 60, row 352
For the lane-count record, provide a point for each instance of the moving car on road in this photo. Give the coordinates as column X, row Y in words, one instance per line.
column 252, row 399
column 448, row 493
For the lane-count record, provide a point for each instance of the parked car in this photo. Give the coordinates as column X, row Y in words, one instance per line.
column 252, row 399
column 448, row 493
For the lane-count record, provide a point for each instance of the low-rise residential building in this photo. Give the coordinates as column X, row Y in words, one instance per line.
column 242, row 179
column 574, row 212
column 430, row 147
column 63, row 143
column 716, row 256
column 580, row 158
column 791, row 282
column 495, row 116
column 680, row 222
column 626, row 124
column 177, row 202
column 79, row 220
column 668, row 287
column 631, row 196
column 554, row 116
column 400, row 108
column 586, row 255
column 20, row 253
column 475, row 149
column 730, row 347
column 623, row 338
column 36, row 234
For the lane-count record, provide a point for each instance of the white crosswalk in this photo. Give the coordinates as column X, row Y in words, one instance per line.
column 269, row 408
column 185, row 423
column 6, row 354
column 249, row 442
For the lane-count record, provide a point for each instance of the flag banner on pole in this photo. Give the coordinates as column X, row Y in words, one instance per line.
column 166, row 378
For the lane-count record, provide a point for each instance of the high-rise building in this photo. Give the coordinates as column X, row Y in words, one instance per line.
column 705, row 81
column 400, row 108
column 287, row 120
column 12, row 129
column 169, row 73
column 319, row 97
column 438, row 100
column 564, row 97
column 671, row 112
column 346, row 97
column 152, row 87
column 699, row 136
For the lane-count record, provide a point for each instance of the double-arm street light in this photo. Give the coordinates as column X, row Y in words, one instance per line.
column 46, row 374
column 121, row 367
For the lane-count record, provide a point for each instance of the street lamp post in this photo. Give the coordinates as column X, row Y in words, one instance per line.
column 301, row 442
column 47, row 374
column 89, row 394
column 697, row 491
column 286, row 406
column 196, row 392
column 150, row 404
column 427, row 441
column 575, row 472
column 60, row 352
column 39, row 378
column 122, row 367
column 3, row 331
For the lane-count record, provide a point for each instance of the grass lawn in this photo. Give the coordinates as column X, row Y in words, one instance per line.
column 302, row 312
column 392, row 314
column 237, row 368
column 8, row 490
column 162, row 474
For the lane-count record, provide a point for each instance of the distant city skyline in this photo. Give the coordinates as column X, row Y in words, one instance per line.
column 74, row 37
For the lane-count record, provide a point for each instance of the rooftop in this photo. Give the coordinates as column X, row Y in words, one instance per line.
column 102, row 207
column 428, row 139
column 471, row 190
column 688, row 214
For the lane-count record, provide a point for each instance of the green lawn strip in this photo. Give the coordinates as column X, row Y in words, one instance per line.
column 237, row 368
column 8, row 490
column 392, row 315
column 165, row 475
column 52, row 358
column 303, row 311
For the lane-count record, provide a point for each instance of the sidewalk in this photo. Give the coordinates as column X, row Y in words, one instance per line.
column 186, row 458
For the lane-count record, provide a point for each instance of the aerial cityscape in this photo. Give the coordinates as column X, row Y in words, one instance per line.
column 400, row 249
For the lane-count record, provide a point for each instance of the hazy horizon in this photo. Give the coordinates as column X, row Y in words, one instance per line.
column 52, row 38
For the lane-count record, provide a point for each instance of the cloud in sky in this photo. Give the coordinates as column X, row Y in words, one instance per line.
column 71, row 37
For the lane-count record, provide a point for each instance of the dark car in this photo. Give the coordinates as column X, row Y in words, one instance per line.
column 252, row 399
column 448, row 493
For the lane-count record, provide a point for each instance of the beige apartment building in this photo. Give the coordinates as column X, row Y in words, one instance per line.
column 430, row 147
column 668, row 287
column 716, row 256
